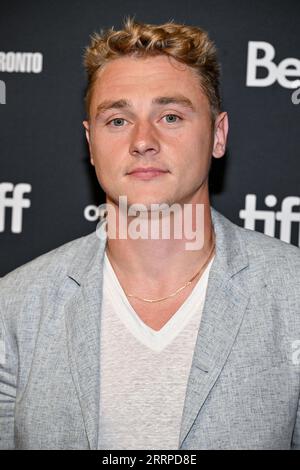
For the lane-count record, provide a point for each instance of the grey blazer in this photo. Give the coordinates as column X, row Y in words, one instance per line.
column 244, row 383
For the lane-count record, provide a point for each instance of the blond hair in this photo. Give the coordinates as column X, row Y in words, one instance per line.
column 188, row 44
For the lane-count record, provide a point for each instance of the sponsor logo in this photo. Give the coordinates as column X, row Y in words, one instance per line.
column 286, row 73
column 16, row 203
column 21, row 62
column 296, row 96
column 2, row 92
column 286, row 217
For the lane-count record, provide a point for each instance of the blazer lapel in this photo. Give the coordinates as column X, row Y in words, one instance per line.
column 82, row 315
column 224, row 308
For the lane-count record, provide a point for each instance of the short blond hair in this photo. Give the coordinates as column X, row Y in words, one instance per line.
column 188, row 44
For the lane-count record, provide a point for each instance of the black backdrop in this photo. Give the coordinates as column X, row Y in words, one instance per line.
column 46, row 181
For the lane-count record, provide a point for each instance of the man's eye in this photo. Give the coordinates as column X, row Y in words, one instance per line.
column 172, row 117
column 116, row 120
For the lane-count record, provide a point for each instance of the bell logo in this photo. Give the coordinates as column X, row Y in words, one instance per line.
column 289, row 67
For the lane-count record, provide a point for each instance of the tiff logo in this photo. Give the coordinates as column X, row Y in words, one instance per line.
column 285, row 216
column 2, row 92
column 16, row 202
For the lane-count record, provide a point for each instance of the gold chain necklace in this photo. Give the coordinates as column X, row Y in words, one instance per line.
column 180, row 288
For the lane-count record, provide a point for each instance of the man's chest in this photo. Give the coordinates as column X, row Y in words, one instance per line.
column 157, row 314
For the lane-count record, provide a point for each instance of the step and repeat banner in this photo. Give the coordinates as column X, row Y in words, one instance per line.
column 49, row 193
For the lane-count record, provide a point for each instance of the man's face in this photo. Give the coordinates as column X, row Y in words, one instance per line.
column 171, row 136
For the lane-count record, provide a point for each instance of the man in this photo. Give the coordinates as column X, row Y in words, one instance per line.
column 112, row 342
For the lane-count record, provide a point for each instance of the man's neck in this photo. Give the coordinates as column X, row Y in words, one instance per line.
column 152, row 267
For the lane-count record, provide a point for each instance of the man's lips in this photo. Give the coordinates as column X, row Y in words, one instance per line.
column 147, row 173
column 146, row 170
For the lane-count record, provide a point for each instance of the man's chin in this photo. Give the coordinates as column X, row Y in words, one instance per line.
column 147, row 205
column 141, row 202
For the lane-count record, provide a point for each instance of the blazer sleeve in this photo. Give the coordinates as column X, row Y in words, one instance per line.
column 8, row 381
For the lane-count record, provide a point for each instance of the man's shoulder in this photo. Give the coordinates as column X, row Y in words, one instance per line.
column 43, row 281
column 257, row 244
column 269, row 261
column 280, row 257
column 257, row 240
column 49, row 266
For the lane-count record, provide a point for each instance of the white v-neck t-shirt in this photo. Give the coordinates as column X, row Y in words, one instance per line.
column 143, row 372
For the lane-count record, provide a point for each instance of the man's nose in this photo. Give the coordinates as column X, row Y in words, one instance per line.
column 144, row 139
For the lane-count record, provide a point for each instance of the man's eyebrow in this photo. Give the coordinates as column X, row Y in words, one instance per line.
column 159, row 100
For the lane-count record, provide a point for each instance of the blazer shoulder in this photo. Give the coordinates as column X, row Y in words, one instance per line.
column 48, row 268
column 278, row 260
column 258, row 246
column 271, row 246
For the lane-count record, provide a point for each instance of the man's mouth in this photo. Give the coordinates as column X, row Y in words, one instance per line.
column 146, row 173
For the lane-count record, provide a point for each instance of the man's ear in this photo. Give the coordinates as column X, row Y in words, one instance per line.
column 220, row 135
column 87, row 134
